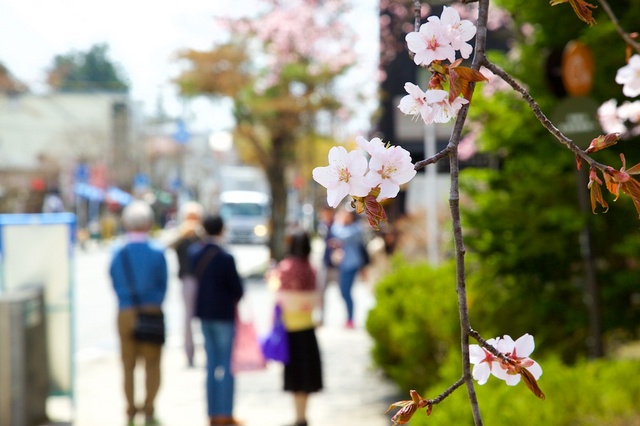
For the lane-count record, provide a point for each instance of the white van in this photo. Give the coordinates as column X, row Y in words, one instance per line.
column 246, row 216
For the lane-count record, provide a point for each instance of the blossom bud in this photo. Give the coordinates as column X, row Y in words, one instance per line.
column 602, row 142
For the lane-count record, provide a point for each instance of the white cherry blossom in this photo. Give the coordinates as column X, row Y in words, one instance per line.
column 389, row 168
column 609, row 119
column 519, row 352
column 415, row 103
column 345, row 175
column 484, row 361
column 369, row 146
column 486, row 364
column 458, row 31
column 442, row 111
column 629, row 77
column 430, row 43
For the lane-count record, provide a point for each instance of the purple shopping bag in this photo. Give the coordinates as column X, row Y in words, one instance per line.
column 275, row 346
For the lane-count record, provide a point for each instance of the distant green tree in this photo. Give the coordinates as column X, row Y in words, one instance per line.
column 90, row 70
column 525, row 222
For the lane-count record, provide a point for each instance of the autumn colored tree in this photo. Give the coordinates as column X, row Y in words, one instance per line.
column 279, row 68
column 90, row 70
column 9, row 84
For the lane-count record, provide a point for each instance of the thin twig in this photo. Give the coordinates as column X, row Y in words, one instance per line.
column 489, row 347
column 446, row 393
column 432, row 160
column 540, row 115
column 625, row 36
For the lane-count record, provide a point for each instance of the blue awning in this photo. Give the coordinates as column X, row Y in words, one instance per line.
column 90, row 192
column 119, row 196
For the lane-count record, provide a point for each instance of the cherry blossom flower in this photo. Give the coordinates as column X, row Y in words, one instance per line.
column 442, row 111
column 388, row 169
column 515, row 364
column 518, row 352
column 345, row 175
column 629, row 77
column 369, row 146
column 484, row 361
column 609, row 119
column 415, row 102
column 458, row 31
column 430, row 43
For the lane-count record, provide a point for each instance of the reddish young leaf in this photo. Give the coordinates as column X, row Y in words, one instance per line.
column 581, row 8
column 531, row 383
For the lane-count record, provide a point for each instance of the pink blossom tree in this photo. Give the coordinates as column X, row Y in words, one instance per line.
column 280, row 68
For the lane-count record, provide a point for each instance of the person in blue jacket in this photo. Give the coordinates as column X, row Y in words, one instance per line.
column 219, row 291
column 148, row 279
column 347, row 239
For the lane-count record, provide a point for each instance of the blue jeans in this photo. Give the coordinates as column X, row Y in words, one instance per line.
column 218, row 340
column 347, row 277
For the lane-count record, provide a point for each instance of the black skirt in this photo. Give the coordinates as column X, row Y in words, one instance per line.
column 303, row 372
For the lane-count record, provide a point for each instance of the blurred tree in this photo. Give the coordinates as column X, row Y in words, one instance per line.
column 525, row 222
column 9, row 85
column 280, row 68
column 90, row 70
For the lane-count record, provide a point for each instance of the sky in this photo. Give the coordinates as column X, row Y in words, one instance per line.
column 143, row 38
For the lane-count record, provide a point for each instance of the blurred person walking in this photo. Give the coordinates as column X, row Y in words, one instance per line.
column 297, row 295
column 138, row 272
column 189, row 232
column 219, row 291
column 347, row 242
column 327, row 273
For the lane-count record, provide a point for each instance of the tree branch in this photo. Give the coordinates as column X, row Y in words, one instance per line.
column 446, row 393
column 625, row 36
column 541, row 116
column 432, row 160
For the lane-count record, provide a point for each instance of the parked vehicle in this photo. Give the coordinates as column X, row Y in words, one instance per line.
column 246, row 216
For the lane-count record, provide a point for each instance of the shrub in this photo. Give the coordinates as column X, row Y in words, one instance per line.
column 602, row 392
column 415, row 322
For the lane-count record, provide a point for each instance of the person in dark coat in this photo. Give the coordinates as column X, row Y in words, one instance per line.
column 219, row 291
column 189, row 232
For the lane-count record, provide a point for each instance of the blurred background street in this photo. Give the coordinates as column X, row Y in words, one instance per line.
column 354, row 394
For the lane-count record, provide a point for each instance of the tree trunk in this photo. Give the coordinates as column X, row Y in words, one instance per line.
column 276, row 174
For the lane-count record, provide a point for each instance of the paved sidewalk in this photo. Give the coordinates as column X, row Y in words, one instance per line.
column 354, row 393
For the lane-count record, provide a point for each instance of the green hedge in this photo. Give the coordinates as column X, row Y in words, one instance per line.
column 415, row 322
column 602, row 392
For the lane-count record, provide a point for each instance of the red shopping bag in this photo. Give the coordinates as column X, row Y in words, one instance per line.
column 246, row 354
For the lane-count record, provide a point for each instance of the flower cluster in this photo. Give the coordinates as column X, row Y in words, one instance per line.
column 349, row 173
column 515, row 364
column 438, row 39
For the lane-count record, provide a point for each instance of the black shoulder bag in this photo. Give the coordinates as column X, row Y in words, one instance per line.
column 149, row 326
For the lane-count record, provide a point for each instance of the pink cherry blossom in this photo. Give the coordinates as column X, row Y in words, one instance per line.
column 609, row 119
column 458, row 31
column 486, row 364
column 430, row 43
column 415, row 102
column 484, row 361
column 629, row 77
column 389, row 168
column 369, row 146
column 518, row 352
column 345, row 175
column 442, row 110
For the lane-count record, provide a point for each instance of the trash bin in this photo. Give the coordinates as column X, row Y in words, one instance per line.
column 24, row 375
